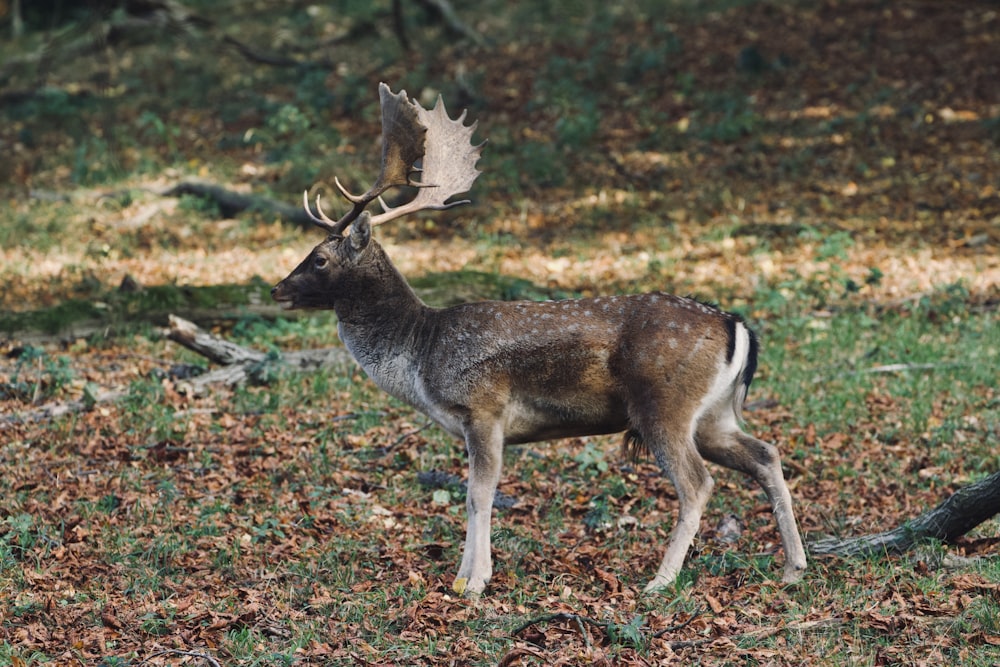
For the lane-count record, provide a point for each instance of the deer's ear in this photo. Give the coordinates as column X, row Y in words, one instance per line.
column 361, row 232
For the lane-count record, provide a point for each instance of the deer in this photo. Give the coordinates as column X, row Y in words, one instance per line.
column 669, row 372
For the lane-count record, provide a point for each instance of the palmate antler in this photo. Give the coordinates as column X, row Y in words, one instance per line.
column 409, row 133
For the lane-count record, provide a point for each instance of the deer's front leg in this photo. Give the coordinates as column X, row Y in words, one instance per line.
column 485, row 448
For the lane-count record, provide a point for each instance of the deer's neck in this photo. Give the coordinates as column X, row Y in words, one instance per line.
column 384, row 325
column 377, row 298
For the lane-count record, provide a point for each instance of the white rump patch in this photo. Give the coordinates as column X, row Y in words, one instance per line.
column 720, row 394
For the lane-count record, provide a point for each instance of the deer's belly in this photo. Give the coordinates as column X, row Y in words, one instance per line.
column 541, row 420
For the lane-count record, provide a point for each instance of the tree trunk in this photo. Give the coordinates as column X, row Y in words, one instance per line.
column 961, row 512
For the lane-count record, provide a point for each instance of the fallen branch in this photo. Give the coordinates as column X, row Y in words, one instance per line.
column 965, row 509
column 242, row 364
column 232, row 203
column 239, row 364
column 218, row 349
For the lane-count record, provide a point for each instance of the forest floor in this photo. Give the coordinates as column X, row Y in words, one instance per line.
column 830, row 170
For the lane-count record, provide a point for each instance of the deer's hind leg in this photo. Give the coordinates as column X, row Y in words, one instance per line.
column 673, row 447
column 720, row 440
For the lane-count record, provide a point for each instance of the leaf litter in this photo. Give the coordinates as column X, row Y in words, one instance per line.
column 222, row 534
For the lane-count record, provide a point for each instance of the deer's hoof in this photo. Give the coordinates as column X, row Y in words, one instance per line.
column 470, row 588
column 657, row 586
column 793, row 573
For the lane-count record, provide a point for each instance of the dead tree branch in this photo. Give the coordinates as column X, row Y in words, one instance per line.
column 259, row 57
column 958, row 514
column 217, row 349
column 563, row 616
column 241, row 364
column 231, row 203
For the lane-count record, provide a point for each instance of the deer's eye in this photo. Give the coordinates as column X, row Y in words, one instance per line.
column 320, row 262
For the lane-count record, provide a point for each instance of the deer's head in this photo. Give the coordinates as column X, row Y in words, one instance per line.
column 330, row 270
column 410, row 134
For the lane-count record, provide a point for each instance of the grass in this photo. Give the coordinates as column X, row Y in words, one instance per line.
column 282, row 523
column 352, row 482
column 336, row 563
column 941, row 352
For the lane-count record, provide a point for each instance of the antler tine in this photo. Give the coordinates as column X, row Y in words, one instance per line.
column 354, row 199
column 322, row 221
column 335, row 225
column 402, row 145
column 325, row 222
column 393, row 212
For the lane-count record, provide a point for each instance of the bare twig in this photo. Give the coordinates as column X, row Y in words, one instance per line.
column 887, row 368
column 679, row 626
column 896, row 368
column 399, row 24
column 563, row 616
column 427, row 424
column 760, row 633
column 255, row 56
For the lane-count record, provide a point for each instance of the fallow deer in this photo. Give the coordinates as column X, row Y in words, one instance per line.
column 669, row 372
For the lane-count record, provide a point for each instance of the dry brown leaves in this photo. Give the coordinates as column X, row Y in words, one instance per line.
column 925, row 208
column 83, row 600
